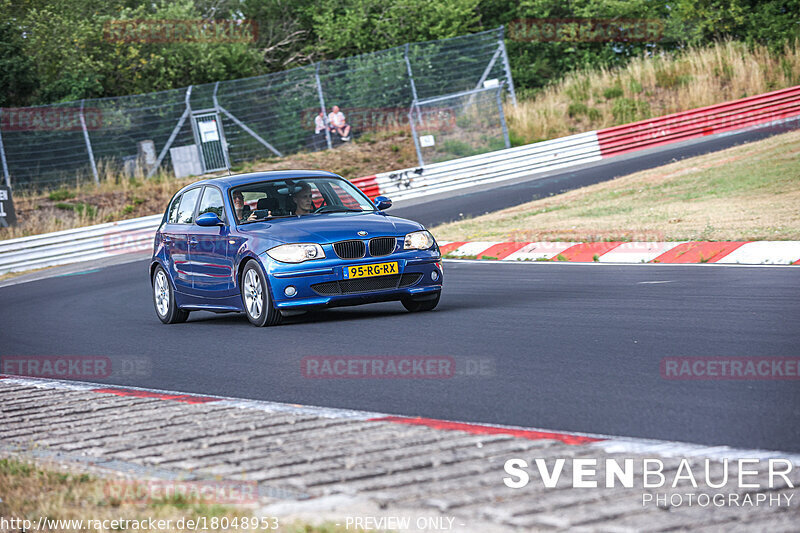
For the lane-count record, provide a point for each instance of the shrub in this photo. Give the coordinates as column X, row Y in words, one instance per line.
column 576, row 108
column 60, row 195
column 612, row 92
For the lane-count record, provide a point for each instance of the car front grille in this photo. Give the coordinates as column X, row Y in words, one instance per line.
column 380, row 246
column 350, row 249
column 377, row 283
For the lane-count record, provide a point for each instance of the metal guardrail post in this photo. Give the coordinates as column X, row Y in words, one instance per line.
column 411, row 79
column 3, row 154
column 88, row 145
column 174, row 133
column 502, row 116
column 322, row 106
column 502, row 45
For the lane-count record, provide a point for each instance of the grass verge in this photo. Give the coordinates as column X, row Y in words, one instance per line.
column 749, row 192
column 28, row 492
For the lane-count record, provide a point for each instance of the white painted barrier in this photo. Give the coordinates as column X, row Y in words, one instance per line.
column 490, row 167
column 81, row 244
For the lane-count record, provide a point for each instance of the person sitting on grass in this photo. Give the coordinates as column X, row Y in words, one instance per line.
column 338, row 123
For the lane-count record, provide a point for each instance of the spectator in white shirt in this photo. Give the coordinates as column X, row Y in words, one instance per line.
column 319, row 123
column 338, row 123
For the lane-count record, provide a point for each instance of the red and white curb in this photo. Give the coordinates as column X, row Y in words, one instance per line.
column 605, row 443
column 720, row 252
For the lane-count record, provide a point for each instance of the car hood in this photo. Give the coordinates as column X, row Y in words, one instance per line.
column 330, row 227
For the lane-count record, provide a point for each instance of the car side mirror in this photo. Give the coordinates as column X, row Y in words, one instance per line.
column 209, row 219
column 382, row 202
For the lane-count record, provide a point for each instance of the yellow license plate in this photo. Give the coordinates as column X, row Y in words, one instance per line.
column 365, row 271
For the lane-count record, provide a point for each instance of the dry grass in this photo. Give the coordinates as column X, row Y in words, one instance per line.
column 749, row 192
column 650, row 87
column 28, row 491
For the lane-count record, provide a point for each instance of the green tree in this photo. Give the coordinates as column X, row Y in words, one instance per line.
column 347, row 27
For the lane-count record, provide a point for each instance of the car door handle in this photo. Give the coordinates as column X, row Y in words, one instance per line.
column 192, row 242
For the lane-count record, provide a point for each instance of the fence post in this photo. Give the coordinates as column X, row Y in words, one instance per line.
column 3, row 153
column 186, row 112
column 414, row 133
column 322, row 106
column 221, row 130
column 502, row 45
column 502, row 116
column 89, row 146
column 413, row 85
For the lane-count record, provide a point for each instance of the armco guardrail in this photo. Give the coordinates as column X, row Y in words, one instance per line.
column 82, row 244
column 136, row 235
column 719, row 118
column 774, row 107
column 494, row 166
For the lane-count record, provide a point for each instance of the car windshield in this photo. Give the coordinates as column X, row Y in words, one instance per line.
column 296, row 197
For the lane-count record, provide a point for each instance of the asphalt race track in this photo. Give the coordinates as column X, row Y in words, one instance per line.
column 458, row 204
column 558, row 346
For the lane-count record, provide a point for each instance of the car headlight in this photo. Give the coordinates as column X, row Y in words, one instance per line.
column 296, row 253
column 419, row 240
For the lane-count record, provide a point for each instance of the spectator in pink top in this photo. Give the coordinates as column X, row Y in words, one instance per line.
column 339, row 124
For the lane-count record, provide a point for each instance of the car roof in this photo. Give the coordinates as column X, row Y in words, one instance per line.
column 254, row 177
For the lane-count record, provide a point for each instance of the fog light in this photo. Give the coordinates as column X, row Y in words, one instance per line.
column 289, row 291
column 434, row 275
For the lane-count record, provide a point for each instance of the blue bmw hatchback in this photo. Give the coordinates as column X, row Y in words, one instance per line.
column 270, row 244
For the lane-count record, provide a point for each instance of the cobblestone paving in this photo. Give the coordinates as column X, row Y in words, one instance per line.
column 303, row 459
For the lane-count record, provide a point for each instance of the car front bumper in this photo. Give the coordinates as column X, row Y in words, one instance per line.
column 322, row 283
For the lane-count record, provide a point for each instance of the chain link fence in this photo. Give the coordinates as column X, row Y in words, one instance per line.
column 459, row 125
column 207, row 127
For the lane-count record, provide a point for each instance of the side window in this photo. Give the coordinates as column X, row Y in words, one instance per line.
column 212, row 202
column 172, row 218
column 186, row 209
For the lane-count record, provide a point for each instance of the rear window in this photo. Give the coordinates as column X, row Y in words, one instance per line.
column 172, row 217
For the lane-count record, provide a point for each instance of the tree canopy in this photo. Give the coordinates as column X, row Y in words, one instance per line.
column 60, row 50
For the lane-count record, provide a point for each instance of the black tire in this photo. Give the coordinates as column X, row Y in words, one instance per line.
column 256, row 302
column 428, row 304
column 164, row 299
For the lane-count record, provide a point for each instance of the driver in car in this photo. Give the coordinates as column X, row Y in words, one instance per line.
column 302, row 200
